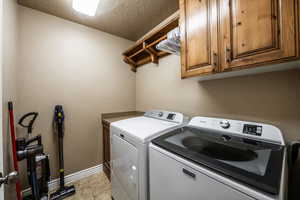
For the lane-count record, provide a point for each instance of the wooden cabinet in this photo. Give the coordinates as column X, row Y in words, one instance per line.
column 198, row 25
column 257, row 32
column 224, row 35
column 106, row 148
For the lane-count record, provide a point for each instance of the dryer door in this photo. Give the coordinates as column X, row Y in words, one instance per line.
column 124, row 170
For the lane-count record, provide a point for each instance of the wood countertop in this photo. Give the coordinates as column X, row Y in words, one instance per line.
column 113, row 117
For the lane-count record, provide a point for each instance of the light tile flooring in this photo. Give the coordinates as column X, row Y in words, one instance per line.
column 95, row 187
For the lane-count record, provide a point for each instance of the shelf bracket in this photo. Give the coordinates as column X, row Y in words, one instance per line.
column 151, row 52
column 144, row 51
column 131, row 63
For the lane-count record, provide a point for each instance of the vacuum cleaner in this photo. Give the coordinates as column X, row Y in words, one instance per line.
column 32, row 150
column 58, row 122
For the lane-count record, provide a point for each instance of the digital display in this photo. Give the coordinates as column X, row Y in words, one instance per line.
column 252, row 129
column 171, row 116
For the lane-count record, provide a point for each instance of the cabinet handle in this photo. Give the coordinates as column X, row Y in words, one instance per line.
column 187, row 172
column 215, row 59
column 228, row 55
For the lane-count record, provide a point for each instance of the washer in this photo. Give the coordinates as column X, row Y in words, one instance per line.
column 213, row 158
column 129, row 151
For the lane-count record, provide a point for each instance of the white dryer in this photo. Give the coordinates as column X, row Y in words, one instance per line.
column 129, row 151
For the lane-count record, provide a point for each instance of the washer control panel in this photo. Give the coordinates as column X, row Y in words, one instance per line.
column 251, row 130
column 165, row 115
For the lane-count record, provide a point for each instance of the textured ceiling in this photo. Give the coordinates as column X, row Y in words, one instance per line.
column 129, row 19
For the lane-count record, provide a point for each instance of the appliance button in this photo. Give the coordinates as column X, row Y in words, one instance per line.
column 160, row 114
column 225, row 124
column 226, row 138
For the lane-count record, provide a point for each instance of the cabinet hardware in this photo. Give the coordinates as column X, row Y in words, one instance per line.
column 187, row 172
column 228, row 55
column 215, row 59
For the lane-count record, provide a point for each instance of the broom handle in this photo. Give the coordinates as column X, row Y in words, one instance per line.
column 14, row 149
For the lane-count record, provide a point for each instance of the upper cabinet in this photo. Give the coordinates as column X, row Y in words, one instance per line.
column 199, row 39
column 225, row 35
column 257, row 31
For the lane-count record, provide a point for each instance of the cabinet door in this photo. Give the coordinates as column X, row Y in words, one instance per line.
column 106, row 150
column 257, row 32
column 172, row 180
column 199, row 46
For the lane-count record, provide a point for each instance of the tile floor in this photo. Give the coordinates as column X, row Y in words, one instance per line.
column 95, row 187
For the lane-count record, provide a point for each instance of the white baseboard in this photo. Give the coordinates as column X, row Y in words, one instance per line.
column 54, row 184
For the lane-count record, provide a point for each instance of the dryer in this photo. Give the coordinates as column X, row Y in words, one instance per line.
column 129, row 151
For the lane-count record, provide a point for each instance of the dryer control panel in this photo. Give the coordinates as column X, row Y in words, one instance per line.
column 165, row 115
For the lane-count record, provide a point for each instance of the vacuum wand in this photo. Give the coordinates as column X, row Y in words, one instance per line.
column 59, row 121
column 63, row 191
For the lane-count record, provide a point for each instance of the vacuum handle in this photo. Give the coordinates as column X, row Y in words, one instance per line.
column 30, row 124
column 59, row 118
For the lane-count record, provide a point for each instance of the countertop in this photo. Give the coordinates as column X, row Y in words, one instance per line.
column 113, row 117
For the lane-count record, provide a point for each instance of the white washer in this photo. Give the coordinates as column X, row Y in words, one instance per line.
column 129, row 151
column 213, row 158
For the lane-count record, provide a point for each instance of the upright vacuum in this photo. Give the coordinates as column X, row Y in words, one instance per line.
column 32, row 150
column 58, row 122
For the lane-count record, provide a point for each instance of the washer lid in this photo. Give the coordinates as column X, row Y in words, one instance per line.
column 143, row 128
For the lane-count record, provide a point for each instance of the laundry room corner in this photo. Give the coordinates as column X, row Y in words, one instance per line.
column 52, row 73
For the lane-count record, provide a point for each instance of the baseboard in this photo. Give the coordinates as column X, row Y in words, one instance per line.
column 54, row 184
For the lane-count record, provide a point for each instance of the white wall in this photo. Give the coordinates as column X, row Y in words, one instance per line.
column 10, row 58
column 62, row 62
column 271, row 97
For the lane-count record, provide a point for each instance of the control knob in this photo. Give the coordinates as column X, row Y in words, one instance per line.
column 225, row 124
column 160, row 114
